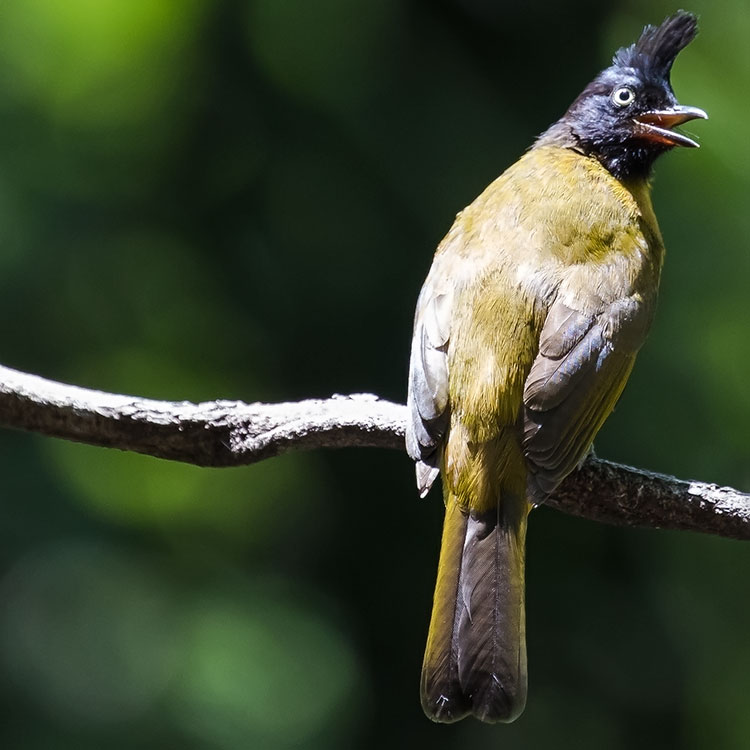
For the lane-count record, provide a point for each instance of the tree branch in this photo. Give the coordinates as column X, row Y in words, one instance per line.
column 232, row 433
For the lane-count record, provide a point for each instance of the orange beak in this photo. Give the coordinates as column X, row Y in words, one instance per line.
column 657, row 126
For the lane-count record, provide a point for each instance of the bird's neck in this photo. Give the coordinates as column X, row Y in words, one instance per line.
column 627, row 162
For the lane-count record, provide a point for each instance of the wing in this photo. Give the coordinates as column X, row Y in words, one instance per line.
column 583, row 363
column 427, row 400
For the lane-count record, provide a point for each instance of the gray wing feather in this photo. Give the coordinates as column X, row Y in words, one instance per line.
column 428, row 384
column 582, row 364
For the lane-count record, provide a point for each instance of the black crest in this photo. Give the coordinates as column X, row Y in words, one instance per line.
column 657, row 47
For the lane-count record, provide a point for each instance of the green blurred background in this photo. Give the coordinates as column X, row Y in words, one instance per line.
column 240, row 200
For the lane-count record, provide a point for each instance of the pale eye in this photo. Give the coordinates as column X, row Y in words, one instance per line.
column 623, row 96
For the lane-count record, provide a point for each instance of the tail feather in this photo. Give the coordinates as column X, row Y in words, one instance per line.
column 442, row 697
column 475, row 661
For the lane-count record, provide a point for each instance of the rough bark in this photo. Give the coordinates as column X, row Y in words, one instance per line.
column 233, row 433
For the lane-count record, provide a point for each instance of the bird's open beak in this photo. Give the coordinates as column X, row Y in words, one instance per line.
column 657, row 126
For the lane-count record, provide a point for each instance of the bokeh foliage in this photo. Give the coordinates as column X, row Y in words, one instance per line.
column 240, row 200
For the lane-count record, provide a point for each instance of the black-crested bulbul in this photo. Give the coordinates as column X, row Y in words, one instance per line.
column 526, row 330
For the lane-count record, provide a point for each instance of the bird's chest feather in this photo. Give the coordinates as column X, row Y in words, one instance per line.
column 555, row 227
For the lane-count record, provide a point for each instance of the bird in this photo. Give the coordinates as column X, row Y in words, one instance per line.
column 525, row 333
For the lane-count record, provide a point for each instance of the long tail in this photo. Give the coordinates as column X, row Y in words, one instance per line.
column 475, row 660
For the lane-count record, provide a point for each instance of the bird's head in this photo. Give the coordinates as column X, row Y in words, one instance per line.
column 626, row 115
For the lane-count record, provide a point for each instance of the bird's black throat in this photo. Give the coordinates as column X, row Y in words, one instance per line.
column 624, row 158
column 629, row 162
